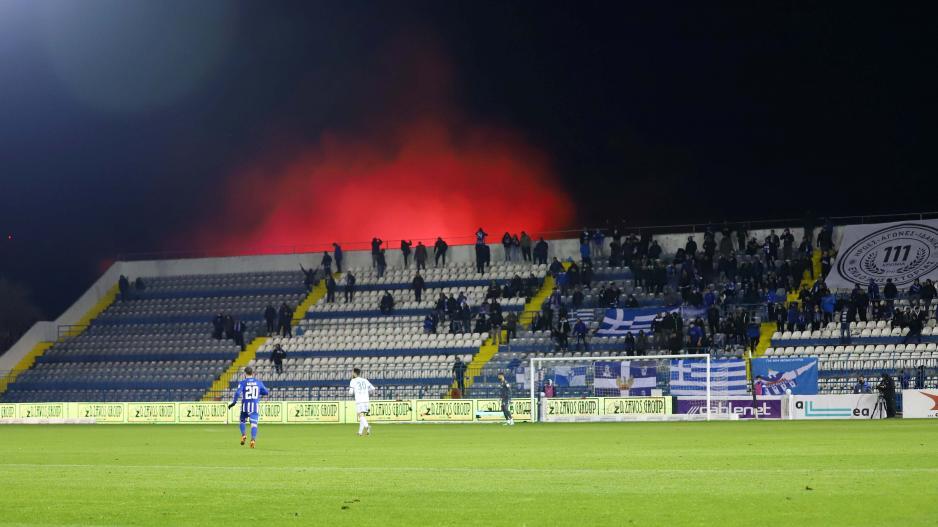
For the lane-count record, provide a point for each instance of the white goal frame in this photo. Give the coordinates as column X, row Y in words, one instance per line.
column 535, row 361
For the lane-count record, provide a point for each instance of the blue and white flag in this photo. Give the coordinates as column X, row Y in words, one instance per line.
column 569, row 375
column 633, row 320
column 624, row 379
column 727, row 377
column 586, row 315
column 779, row 375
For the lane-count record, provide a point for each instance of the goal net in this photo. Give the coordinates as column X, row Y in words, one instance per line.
column 621, row 388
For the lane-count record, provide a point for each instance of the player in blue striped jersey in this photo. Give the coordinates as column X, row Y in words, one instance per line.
column 250, row 391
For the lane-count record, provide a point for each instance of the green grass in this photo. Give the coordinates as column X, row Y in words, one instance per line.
column 720, row 473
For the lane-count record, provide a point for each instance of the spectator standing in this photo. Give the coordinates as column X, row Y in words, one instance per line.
column 905, row 379
column 229, row 327
column 511, row 327
column 405, row 251
column 382, row 263
column 239, row 328
column 326, row 263
column 526, row 245
column 337, row 255
column 439, row 252
column 928, row 294
column 309, row 278
column 285, row 317
column 349, row 287
column 506, row 245
column 845, row 319
column 540, row 252
column 889, row 295
column 629, row 345
column 579, row 332
column 375, row 250
column 270, row 316
column 459, row 375
column 418, row 285
column 598, row 243
column 123, row 284
column 218, row 326
column 330, row 288
column 420, row 256
column 480, row 258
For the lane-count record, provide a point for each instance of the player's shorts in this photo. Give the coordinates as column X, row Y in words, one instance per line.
column 252, row 416
column 362, row 408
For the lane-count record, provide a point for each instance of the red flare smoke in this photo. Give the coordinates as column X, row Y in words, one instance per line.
column 424, row 182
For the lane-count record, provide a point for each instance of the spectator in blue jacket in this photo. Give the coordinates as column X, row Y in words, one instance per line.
column 873, row 291
column 579, row 331
column 585, row 252
column 794, row 314
column 828, row 303
column 337, row 256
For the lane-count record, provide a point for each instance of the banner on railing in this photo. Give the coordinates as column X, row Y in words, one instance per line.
column 780, row 375
column 902, row 252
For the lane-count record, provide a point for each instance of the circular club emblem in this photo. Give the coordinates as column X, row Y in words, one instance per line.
column 901, row 252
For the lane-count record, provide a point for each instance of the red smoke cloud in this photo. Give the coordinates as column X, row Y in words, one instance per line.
column 420, row 172
column 424, row 182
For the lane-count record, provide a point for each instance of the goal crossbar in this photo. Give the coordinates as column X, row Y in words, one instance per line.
column 538, row 360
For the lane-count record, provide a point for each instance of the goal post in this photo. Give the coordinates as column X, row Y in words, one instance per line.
column 619, row 377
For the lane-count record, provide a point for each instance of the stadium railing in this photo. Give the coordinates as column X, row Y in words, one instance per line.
column 494, row 237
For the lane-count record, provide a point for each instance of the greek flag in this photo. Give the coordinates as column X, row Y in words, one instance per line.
column 586, row 315
column 727, row 377
column 622, row 321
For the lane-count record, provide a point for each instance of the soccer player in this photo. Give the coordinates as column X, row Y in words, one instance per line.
column 250, row 390
column 504, row 391
column 361, row 389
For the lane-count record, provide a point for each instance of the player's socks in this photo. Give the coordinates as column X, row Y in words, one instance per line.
column 253, row 432
column 243, row 430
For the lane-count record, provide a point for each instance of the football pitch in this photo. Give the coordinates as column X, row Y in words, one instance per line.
column 718, row 473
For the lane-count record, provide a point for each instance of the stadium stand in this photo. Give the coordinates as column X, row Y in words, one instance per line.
column 156, row 343
column 394, row 351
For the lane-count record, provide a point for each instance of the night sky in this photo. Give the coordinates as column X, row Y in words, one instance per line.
column 129, row 127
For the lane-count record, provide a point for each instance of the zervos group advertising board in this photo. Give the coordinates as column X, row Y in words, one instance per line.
column 920, row 404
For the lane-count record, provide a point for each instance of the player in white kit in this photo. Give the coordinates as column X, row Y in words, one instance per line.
column 361, row 389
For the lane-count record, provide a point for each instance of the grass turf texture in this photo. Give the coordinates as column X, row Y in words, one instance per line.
column 719, row 473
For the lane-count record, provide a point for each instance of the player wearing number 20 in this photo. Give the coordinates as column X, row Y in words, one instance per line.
column 250, row 391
